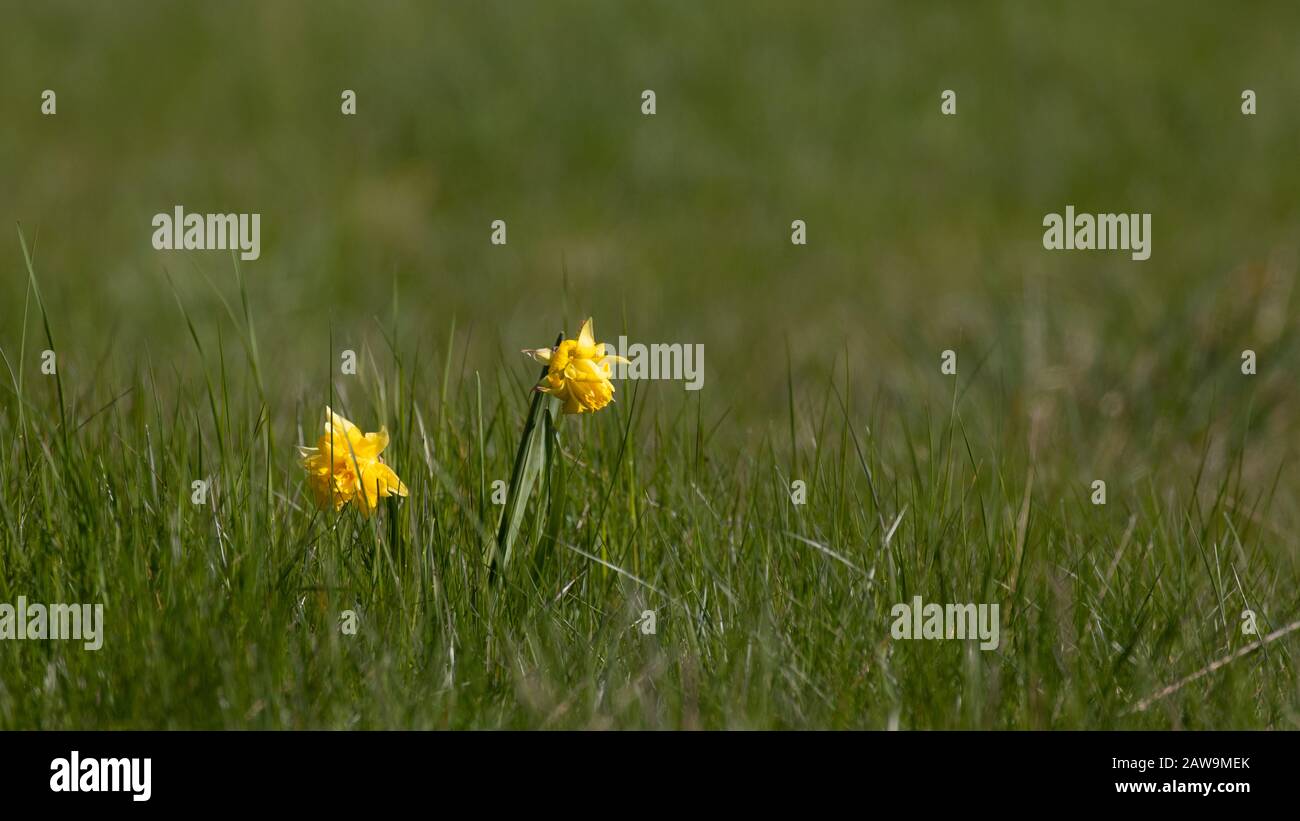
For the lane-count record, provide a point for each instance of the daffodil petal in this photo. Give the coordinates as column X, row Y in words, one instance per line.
column 344, row 467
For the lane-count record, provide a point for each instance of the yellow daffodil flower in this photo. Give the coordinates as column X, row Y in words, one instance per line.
column 578, row 372
column 345, row 466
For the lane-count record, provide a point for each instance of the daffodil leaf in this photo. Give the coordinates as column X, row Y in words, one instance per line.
column 528, row 464
column 555, row 493
column 529, row 461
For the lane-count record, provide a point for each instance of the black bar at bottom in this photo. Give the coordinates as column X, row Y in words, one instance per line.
column 533, row 771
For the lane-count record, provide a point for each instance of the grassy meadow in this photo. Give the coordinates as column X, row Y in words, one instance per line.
column 822, row 363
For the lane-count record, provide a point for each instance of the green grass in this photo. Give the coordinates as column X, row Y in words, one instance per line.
column 822, row 364
column 768, row 614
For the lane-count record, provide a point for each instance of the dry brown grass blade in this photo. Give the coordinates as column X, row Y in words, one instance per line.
column 1214, row 665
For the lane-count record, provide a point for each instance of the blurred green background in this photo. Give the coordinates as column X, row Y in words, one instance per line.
column 923, row 229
